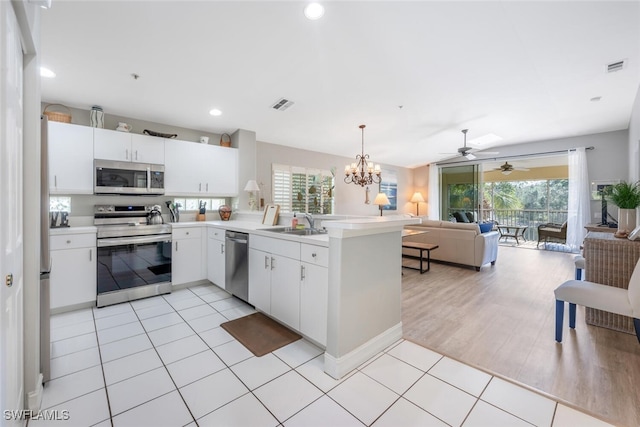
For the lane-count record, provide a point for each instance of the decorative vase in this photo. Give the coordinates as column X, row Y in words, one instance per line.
column 225, row 212
column 626, row 219
column 96, row 117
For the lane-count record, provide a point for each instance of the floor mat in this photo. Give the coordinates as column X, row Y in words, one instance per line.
column 260, row 334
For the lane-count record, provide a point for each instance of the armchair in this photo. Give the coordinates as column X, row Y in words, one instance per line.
column 625, row 302
column 557, row 232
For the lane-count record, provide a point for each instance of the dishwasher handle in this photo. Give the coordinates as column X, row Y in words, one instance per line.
column 237, row 240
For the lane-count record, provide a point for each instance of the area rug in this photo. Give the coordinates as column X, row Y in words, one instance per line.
column 532, row 244
column 260, row 334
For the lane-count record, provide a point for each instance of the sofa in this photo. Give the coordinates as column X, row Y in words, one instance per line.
column 458, row 243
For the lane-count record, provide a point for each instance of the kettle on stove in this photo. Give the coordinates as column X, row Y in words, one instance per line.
column 155, row 215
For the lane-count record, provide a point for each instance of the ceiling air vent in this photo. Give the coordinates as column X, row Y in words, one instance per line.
column 615, row 66
column 282, row 104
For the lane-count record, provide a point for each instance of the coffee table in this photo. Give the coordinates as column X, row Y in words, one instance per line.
column 515, row 231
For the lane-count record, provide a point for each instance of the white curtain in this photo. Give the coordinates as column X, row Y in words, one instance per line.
column 434, row 192
column 579, row 198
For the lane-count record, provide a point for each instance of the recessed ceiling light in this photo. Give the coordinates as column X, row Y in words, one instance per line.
column 45, row 72
column 215, row 112
column 314, row 11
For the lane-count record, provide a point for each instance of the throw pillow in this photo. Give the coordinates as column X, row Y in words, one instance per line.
column 486, row 227
column 459, row 217
column 470, row 217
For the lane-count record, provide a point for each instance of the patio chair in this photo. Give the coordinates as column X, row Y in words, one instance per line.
column 625, row 302
column 555, row 232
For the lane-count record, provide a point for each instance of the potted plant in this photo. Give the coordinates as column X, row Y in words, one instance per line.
column 626, row 196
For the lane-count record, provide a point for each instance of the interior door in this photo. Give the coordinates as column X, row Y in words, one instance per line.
column 11, row 277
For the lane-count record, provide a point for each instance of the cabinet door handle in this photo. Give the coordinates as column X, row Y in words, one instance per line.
column 314, row 255
column 266, row 262
column 207, row 187
column 273, row 263
column 302, row 275
column 136, row 154
column 221, row 248
column 90, row 255
column 126, row 154
column 55, row 181
column 200, row 187
column 68, row 242
column 176, row 246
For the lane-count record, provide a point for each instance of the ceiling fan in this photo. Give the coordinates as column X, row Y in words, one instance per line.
column 466, row 152
column 507, row 168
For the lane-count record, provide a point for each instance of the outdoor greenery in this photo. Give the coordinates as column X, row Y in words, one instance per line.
column 625, row 195
column 526, row 195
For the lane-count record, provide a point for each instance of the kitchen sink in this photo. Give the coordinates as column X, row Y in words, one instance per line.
column 297, row 231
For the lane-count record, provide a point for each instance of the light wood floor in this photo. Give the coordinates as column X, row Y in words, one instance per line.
column 501, row 320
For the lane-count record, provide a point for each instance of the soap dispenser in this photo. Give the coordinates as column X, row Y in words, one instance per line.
column 294, row 221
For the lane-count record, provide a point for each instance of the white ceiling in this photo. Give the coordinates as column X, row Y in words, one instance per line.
column 525, row 71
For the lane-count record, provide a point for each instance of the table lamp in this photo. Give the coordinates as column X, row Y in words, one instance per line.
column 417, row 198
column 252, row 186
column 381, row 200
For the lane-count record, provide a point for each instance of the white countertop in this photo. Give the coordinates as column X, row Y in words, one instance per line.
column 60, row 231
column 258, row 229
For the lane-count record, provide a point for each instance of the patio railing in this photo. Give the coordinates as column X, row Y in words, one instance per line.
column 530, row 218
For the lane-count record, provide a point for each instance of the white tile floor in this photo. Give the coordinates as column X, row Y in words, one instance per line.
column 165, row 361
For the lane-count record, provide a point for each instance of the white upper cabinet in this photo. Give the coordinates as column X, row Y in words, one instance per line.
column 193, row 169
column 127, row 147
column 70, row 158
column 147, row 149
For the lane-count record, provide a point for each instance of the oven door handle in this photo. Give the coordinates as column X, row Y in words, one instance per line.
column 135, row 240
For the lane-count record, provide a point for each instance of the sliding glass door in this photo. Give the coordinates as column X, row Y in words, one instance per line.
column 460, row 193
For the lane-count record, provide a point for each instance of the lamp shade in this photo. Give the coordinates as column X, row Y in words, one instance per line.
column 252, row 185
column 381, row 199
column 417, row 197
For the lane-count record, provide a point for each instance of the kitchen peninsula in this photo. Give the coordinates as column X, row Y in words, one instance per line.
column 364, row 283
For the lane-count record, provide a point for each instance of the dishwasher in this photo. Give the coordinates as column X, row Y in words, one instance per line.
column 237, row 264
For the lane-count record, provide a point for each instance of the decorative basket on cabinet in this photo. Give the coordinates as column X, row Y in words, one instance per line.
column 57, row 116
column 225, row 142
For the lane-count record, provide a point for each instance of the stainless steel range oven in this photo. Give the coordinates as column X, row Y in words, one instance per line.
column 134, row 258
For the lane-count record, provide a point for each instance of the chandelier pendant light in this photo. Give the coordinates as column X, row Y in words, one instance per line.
column 362, row 172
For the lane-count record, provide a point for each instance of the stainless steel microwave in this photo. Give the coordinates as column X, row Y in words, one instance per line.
column 113, row 177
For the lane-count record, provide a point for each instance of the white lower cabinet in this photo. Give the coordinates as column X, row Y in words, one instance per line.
column 188, row 256
column 314, row 292
column 216, row 256
column 73, row 270
column 259, row 279
column 289, row 281
column 285, row 290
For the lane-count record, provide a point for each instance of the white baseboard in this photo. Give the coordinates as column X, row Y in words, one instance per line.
column 341, row 366
column 35, row 397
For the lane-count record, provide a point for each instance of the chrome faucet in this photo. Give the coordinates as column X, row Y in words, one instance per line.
column 310, row 220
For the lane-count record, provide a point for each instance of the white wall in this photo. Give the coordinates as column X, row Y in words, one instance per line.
column 634, row 140
column 607, row 161
column 349, row 197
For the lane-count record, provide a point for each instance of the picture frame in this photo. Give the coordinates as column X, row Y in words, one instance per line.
column 389, row 186
column 598, row 186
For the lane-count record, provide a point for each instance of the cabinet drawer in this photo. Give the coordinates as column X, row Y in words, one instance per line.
column 72, row 241
column 312, row 254
column 187, row 233
column 216, row 233
column 285, row 248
